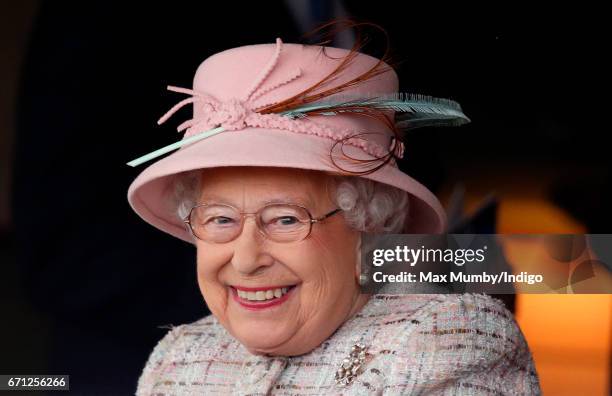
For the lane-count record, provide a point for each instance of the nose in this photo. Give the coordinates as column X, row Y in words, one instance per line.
column 250, row 256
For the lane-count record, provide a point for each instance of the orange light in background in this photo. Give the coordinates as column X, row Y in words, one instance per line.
column 570, row 336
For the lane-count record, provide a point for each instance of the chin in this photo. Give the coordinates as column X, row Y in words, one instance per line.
column 276, row 343
column 262, row 337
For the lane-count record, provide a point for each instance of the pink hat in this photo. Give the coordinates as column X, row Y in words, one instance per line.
column 241, row 118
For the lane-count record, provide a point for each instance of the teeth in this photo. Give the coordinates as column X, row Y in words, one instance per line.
column 262, row 295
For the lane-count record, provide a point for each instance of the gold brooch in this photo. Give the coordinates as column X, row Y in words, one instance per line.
column 351, row 366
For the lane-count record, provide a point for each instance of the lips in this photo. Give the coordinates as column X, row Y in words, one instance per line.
column 262, row 294
column 254, row 289
column 256, row 298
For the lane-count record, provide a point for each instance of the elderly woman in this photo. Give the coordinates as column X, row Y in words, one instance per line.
column 276, row 209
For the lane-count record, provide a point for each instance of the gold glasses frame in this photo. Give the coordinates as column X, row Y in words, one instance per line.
column 311, row 220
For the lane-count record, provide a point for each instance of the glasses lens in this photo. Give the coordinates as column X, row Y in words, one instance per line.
column 215, row 223
column 285, row 223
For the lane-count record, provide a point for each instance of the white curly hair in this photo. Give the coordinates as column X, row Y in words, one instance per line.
column 368, row 206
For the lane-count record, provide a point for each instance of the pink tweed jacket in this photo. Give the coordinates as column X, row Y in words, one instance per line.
column 419, row 344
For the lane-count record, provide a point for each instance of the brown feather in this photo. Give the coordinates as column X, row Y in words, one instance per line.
column 309, row 95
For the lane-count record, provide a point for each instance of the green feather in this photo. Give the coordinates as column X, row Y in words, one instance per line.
column 412, row 110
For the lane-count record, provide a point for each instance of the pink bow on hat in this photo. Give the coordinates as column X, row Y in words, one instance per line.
column 235, row 113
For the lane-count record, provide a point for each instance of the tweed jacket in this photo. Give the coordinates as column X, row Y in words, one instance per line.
column 418, row 344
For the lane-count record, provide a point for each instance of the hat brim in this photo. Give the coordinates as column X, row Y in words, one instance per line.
column 149, row 194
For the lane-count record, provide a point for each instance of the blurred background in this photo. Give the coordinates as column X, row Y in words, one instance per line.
column 87, row 288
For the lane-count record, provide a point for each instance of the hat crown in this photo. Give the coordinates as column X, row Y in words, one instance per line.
column 234, row 73
column 233, row 84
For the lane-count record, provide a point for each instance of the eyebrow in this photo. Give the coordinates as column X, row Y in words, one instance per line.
column 306, row 202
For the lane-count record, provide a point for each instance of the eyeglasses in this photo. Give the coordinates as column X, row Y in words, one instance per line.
column 221, row 223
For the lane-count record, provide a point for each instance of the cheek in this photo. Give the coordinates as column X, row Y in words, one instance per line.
column 337, row 245
column 210, row 260
column 329, row 264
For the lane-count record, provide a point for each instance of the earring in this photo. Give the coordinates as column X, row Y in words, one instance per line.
column 363, row 279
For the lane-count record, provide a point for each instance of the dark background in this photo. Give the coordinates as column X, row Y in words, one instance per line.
column 86, row 284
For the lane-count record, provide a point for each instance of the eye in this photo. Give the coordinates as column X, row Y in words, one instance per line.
column 286, row 220
column 220, row 220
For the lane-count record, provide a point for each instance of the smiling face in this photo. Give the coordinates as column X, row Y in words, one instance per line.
column 319, row 272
